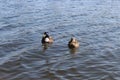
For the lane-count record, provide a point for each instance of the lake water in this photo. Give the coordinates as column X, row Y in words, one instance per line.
column 95, row 23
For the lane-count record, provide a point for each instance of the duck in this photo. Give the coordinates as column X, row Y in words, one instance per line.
column 46, row 38
column 73, row 43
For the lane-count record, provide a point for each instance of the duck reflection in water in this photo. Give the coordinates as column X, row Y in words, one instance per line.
column 73, row 50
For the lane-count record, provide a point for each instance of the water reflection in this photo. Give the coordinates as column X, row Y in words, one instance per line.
column 98, row 58
column 73, row 50
column 46, row 46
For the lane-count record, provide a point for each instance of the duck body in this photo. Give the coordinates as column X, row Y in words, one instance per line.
column 46, row 38
column 73, row 43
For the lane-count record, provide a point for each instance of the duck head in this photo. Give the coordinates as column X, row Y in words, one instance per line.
column 45, row 34
column 73, row 39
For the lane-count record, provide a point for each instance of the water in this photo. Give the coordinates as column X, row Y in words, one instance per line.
column 95, row 23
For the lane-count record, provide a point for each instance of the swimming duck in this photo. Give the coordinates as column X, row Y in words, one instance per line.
column 73, row 43
column 46, row 38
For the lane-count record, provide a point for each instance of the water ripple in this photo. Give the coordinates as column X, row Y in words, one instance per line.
column 94, row 23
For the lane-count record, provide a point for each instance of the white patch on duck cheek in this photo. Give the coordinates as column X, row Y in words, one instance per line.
column 44, row 35
column 46, row 39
